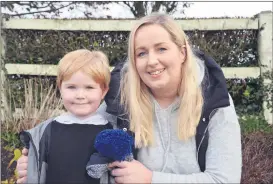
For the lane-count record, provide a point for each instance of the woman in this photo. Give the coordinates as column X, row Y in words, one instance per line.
column 170, row 93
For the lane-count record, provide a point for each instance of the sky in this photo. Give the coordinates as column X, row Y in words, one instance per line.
column 196, row 10
column 218, row 9
column 201, row 10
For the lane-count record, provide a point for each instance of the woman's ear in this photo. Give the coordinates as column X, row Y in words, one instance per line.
column 183, row 51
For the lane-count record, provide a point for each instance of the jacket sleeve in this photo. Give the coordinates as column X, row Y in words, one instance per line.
column 223, row 157
column 33, row 142
column 44, row 145
column 32, row 169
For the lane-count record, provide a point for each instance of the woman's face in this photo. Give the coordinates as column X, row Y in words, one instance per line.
column 158, row 58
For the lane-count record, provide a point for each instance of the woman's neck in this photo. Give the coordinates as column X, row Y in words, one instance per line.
column 164, row 98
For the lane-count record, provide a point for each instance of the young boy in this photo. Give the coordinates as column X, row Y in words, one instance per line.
column 60, row 148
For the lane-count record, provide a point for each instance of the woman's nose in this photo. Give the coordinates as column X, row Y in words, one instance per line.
column 152, row 59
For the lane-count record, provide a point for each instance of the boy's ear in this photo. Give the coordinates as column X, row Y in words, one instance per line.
column 60, row 91
column 105, row 90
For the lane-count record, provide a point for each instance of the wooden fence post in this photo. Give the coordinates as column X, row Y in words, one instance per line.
column 265, row 42
column 3, row 97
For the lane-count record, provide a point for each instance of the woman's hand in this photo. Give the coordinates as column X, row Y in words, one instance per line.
column 130, row 172
column 22, row 167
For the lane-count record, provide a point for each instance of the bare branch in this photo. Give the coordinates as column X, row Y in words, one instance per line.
column 170, row 6
column 43, row 8
column 127, row 3
column 43, row 11
column 156, row 6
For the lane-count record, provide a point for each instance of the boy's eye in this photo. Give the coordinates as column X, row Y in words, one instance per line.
column 89, row 87
column 71, row 87
column 162, row 49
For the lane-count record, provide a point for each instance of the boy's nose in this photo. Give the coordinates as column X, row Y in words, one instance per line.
column 80, row 94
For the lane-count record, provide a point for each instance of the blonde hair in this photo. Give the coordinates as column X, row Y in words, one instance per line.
column 135, row 95
column 93, row 63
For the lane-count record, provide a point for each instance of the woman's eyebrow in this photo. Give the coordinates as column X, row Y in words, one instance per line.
column 160, row 43
column 157, row 44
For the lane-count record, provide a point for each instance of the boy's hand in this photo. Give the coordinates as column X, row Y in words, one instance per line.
column 22, row 167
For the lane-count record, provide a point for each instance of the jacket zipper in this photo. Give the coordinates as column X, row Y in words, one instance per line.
column 205, row 133
column 36, row 155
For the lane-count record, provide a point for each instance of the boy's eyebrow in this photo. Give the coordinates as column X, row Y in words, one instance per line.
column 71, row 84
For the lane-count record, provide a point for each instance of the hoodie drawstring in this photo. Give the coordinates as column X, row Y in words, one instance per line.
column 166, row 150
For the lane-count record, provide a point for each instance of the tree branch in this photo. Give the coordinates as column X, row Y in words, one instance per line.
column 42, row 11
column 170, row 6
column 156, row 6
column 137, row 8
column 131, row 8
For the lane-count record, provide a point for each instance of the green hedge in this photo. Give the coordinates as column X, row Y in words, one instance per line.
column 228, row 48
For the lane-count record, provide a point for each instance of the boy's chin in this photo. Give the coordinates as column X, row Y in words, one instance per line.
column 82, row 115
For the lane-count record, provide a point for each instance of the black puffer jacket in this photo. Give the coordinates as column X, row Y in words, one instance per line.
column 215, row 96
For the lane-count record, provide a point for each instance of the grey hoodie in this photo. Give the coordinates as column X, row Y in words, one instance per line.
column 175, row 161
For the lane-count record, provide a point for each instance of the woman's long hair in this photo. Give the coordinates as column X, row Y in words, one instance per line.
column 135, row 95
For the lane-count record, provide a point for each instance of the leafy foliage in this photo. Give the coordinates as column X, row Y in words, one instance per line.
column 12, row 140
column 237, row 48
column 247, row 95
column 48, row 47
column 230, row 48
column 254, row 123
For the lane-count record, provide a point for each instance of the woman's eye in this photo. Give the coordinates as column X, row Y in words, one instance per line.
column 141, row 54
column 89, row 87
column 71, row 87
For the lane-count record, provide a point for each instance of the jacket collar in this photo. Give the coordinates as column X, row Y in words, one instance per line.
column 94, row 119
column 214, row 85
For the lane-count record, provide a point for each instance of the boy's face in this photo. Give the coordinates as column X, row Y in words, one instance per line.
column 81, row 95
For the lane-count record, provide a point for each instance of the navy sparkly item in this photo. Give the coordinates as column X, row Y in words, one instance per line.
column 111, row 145
column 114, row 144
